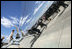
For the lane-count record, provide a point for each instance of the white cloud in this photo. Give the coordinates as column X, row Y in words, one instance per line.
column 15, row 20
column 36, row 9
column 22, row 20
column 9, row 22
column 28, row 20
column 37, row 2
column 6, row 22
column 2, row 35
column 6, row 38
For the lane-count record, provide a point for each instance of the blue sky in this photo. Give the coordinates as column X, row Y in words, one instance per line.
column 21, row 13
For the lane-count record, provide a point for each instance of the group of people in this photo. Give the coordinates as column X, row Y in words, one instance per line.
column 55, row 8
column 18, row 38
column 11, row 40
column 34, row 30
